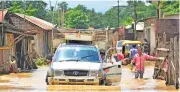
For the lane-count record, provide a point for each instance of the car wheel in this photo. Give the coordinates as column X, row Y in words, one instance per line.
column 177, row 85
column 47, row 80
column 103, row 82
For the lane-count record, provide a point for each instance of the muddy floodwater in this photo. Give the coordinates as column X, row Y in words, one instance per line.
column 35, row 81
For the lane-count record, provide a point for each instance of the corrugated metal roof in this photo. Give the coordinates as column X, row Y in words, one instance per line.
column 140, row 26
column 2, row 12
column 39, row 22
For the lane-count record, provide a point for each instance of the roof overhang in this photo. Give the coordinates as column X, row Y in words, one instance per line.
column 12, row 29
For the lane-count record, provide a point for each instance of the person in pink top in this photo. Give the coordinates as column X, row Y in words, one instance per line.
column 139, row 61
column 165, row 67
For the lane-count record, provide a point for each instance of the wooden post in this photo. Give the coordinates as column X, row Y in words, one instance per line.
column 169, row 63
column 176, row 62
column 106, row 39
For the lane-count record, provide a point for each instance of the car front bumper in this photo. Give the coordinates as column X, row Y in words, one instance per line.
column 73, row 80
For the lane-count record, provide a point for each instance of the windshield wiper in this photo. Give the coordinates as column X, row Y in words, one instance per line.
column 69, row 60
column 84, row 57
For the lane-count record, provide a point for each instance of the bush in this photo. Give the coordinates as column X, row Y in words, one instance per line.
column 40, row 61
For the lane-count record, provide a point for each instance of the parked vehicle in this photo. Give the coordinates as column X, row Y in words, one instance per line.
column 127, row 46
column 119, row 45
column 81, row 64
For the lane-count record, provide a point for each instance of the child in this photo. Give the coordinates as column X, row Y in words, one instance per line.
column 165, row 67
column 13, row 65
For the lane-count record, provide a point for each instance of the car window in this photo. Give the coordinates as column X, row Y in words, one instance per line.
column 120, row 44
column 74, row 53
column 131, row 46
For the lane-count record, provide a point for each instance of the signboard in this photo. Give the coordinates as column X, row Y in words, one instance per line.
column 78, row 37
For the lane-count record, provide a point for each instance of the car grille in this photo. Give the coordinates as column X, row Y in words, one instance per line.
column 75, row 73
column 76, row 80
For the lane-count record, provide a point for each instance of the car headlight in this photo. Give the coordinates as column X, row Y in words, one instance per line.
column 51, row 72
column 93, row 73
column 58, row 72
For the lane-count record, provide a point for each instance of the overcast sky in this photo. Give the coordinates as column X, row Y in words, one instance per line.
column 98, row 5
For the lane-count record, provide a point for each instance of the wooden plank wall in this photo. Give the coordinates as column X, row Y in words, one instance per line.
column 173, row 68
column 173, row 60
column 4, row 60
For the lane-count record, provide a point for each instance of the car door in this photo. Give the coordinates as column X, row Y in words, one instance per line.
column 112, row 69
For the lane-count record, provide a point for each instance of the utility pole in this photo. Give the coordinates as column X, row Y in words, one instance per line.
column 118, row 14
column 135, row 18
column 51, row 7
column 2, row 34
column 62, row 16
column 158, row 10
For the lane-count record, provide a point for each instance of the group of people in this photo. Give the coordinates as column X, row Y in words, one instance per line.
column 137, row 58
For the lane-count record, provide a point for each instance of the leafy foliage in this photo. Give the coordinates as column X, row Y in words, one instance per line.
column 63, row 5
column 81, row 17
column 170, row 7
column 40, row 61
column 53, row 16
column 32, row 8
column 76, row 18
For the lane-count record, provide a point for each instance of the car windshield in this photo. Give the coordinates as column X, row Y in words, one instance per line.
column 130, row 46
column 78, row 53
column 120, row 43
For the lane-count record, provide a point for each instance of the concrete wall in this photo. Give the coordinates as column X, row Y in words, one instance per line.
column 152, row 39
column 140, row 36
column 169, row 26
column 149, row 34
column 175, row 16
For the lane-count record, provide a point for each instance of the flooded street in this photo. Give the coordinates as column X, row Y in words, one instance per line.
column 35, row 81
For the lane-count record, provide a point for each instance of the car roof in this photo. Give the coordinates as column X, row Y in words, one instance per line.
column 76, row 45
column 131, row 42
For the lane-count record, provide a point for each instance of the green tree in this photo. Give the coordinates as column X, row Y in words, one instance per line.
column 16, row 7
column 75, row 18
column 127, row 15
column 32, row 8
column 56, row 16
column 170, row 7
column 95, row 19
column 110, row 18
column 63, row 5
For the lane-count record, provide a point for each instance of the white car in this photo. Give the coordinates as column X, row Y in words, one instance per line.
column 81, row 64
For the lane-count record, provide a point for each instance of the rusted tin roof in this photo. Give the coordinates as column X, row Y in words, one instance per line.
column 38, row 22
column 2, row 14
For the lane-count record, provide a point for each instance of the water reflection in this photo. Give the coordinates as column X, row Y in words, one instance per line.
column 35, row 81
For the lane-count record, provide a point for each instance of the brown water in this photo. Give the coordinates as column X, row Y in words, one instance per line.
column 35, row 81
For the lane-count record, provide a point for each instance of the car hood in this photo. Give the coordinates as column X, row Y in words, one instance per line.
column 76, row 65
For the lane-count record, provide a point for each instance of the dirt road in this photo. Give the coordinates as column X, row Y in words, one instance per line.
column 35, row 81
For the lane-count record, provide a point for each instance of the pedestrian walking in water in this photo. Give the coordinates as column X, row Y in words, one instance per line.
column 139, row 62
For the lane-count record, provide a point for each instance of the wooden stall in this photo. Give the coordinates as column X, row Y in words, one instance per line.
column 169, row 50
